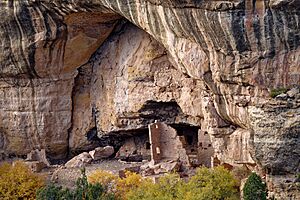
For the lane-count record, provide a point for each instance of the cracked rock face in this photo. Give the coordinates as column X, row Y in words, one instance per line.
column 76, row 70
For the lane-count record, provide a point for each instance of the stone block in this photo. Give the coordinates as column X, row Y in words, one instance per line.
column 171, row 166
column 36, row 166
column 148, row 172
column 102, row 152
column 38, row 155
column 81, row 160
column 293, row 92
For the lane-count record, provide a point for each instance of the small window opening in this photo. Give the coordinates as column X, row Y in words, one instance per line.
column 189, row 139
column 147, row 145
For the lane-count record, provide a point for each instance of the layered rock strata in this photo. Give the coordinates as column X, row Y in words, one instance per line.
column 210, row 64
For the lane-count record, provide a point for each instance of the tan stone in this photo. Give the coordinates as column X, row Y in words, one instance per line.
column 86, row 32
column 217, row 63
column 136, row 148
column 38, row 155
column 102, row 152
column 293, row 92
column 171, row 166
column 36, row 166
column 166, row 144
column 81, row 160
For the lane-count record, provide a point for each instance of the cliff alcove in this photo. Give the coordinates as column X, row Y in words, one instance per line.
column 75, row 70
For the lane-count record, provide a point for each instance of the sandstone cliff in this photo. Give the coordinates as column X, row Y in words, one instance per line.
column 76, row 70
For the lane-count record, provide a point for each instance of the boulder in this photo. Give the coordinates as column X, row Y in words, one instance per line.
column 38, row 155
column 102, row 152
column 170, row 166
column 81, row 160
column 293, row 92
column 281, row 97
column 148, row 172
column 150, row 169
column 36, row 166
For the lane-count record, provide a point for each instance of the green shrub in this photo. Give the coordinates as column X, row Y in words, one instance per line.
column 277, row 91
column 53, row 192
column 215, row 183
column 87, row 191
column 166, row 188
column 207, row 184
column 104, row 178
column 17, row 181
column 122, row 187
column 83, row 191
column 254, row 188
column 131, row 182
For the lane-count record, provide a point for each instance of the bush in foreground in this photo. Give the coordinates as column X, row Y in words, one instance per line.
column 104, row 178
column 119, row 186
column 254, row 188
column 167, row 188
column 17, row 181
column 208, row 184
column 83, row 191
column 214, row 184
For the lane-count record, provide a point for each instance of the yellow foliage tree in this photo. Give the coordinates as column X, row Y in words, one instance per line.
column 130, row 183
column 166, row 188
column 18, row 182
column 105, row 178
column 211, row 184
column 120, row 186
column 207, row 184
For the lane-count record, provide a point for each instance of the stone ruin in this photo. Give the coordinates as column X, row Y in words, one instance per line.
column 37, row 160
column 190, row 146
column 135, row 148
column 163, row 147
column 168, row 148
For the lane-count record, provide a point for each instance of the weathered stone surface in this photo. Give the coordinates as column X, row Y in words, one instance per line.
column 171, row 166
column 276, row 136
column 79, row 161
column 35, row 114
column 135, row 148
column 140, row 85
column 38, row 155
column 102, row 152
column 234, row 148
column 283, row 187
column 293, row 92
column 166, row 144
column 166, row 166
column 83, row 130
column 41, row 48
column 211, row 64
column 35, row 166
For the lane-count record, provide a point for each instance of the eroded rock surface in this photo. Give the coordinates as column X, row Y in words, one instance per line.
column 79, row 161
column 102, row 152
column 210, row 64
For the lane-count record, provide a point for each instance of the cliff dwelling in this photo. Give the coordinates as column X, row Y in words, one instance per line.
column 90, row 79
column 162, row 143
column 182, row 143
column 176, row 141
